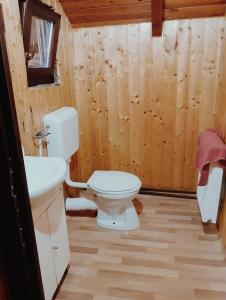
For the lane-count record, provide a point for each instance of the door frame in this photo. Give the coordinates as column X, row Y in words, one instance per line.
column 20, row 276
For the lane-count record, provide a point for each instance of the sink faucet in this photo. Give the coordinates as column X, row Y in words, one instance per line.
column 39, row 136
column 42, row 133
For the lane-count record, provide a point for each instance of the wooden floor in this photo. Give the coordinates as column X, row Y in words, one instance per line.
column 168, row 258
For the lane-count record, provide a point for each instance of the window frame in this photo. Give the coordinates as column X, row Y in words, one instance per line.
column 36, row 8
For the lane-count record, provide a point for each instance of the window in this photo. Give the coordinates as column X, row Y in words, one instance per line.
column 40, row 32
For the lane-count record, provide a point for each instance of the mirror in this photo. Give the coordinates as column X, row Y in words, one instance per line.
column 40, row 43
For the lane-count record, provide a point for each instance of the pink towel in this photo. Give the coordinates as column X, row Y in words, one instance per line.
column 210, row 149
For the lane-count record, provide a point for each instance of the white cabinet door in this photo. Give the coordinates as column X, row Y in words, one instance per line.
column 59, row 236
column 46, row 260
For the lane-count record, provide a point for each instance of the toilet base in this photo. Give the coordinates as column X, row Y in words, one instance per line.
column 128, row 220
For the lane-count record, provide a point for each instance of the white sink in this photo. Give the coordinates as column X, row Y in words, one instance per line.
column 44, row 174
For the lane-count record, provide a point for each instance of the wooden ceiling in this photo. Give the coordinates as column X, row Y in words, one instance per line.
column 85, row 13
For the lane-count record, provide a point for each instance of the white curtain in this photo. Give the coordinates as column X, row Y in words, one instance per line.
column 44, row 32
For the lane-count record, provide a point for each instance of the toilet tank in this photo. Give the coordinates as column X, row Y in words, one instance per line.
column 63, row 140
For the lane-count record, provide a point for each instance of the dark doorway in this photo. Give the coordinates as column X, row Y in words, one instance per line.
column 20, row 276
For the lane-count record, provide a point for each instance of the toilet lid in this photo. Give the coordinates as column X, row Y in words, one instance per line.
column 113, row 181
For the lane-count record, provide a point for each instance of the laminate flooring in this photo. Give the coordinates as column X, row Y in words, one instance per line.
column 168, row 258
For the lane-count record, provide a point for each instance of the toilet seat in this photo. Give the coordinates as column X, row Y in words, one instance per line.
column 114, row 182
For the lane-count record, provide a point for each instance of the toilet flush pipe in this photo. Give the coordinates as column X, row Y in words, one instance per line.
column 74, row 204
column 40, row 147
column 71, row 183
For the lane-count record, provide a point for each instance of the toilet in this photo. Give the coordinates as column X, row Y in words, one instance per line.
column 114, row 190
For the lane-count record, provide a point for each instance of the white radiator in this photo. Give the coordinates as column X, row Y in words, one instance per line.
column 210, row 194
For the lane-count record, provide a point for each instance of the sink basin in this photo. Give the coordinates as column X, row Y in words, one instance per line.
column 44, row 175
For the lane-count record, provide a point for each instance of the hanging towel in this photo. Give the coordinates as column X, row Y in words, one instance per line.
column 210, row 149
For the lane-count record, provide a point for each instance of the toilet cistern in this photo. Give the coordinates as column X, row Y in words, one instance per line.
column 115, row 190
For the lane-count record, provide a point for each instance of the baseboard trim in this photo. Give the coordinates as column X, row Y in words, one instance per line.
column 168, row 193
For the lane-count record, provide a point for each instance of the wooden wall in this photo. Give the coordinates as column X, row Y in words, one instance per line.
column 220, row 124
column 143, row 101
column 220, row 120
column 33, row 103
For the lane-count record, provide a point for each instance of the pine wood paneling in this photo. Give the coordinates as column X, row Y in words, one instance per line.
column 33, row 103
column 221, row 126
column 221, row 104
column 195, row 12
column 101, row 12
column 143, row 101
column 190, row 3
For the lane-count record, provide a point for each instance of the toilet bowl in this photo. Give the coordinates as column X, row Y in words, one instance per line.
column 115, row 191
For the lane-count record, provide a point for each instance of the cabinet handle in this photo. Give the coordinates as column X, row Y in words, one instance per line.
column 55, row 248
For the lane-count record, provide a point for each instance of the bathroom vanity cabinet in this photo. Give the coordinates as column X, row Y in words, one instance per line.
column 52, row 242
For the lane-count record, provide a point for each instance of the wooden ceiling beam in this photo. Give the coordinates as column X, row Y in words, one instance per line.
column 191, row 3
column 88, row 13
column 157, row 17
column 78, row 4
column 191, row 12
column 114, row 10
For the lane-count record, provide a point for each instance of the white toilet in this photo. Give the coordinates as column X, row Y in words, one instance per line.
column 115, row 190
